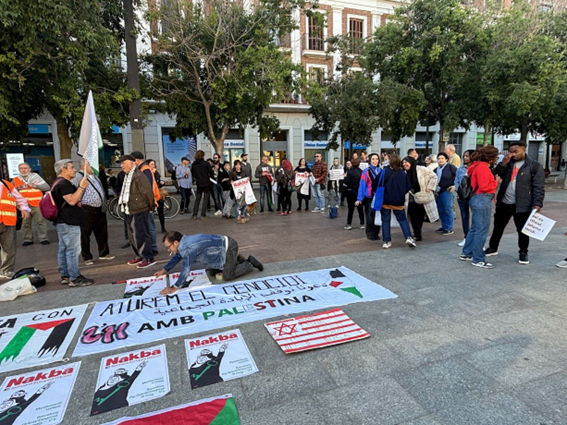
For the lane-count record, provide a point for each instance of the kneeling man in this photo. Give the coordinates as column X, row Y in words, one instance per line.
column 205, row 252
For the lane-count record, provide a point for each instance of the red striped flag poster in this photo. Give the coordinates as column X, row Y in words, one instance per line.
column 318, row 330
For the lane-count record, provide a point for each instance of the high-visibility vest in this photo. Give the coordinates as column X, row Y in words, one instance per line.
column 8, row 215
column 33, row 196
column 155, row 187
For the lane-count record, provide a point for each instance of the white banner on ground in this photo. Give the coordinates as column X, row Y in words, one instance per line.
column 218, row 357
column 38, row 397
column 243, row 187
column 538, row 226
column 131, row 378
column 151, row 286
column 302, row 180
column 38, row 338
column 126, row 322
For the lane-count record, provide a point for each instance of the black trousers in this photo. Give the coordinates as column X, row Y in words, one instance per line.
column 235, row 264
column 94, row 222
column 351, row 199
column 185, row 198
column 372, row 231
column 416, row 213
column 161, row 214
column 301, row 197
column 284, row 199
column 139, row 234
column 502, row 216
column 204, row 193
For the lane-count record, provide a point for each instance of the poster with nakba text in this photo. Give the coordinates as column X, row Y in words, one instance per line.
column 38, row 397
column 131, row 378
column 151, row 286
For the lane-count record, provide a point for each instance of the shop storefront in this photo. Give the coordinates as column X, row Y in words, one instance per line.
column 312, row 145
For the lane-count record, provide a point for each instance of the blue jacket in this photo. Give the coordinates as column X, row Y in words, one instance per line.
column 461, row 172
column 396, row 185
column 368, row 183
column 198, row 252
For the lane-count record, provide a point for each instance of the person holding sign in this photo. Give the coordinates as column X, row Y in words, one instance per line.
column 213, row 252
column 302, row 172
column 336, row 177
column 522, row 190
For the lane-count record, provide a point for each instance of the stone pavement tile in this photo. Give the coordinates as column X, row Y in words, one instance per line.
column 482, row 331
column 494, row 409
column 301, row 411
column 423, row 420
column 378, row 400
column 552, row 291
column 420, row 348
column 546, row 395
column 295, row 377
column 535, row 321
column 514, row 363
column 443, row 384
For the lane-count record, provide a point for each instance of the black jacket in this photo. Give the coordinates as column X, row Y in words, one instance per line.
column 202, row 172
column 530, row 184
column 352, row 180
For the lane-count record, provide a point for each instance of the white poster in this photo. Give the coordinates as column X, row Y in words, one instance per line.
column 363, row 165
column 218, row 357
column 139, row 320
column 151, row 286
column 131, row 378
column 336, row 174
column 12, row 162
column 538, row 226
column 302, row 181
column 38, row 338
column 38, row 397
column 243, row 187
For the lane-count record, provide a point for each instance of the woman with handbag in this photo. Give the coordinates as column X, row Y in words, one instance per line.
column 421, row 200
column 396, row 185
column 369, row 181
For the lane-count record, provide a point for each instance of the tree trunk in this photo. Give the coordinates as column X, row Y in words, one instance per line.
column 524, row 133
column 65, row 143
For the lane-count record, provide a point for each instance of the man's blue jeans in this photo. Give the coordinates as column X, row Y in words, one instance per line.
column 402, row 219
column 69, row 250
column 481, row 206
column 152, row 225
column 445, row 207
column 465, row 215
column 319, row 196
column 264, row 193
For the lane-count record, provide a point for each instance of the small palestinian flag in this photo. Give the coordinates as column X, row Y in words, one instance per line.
column 343, row 287
column 213, row 411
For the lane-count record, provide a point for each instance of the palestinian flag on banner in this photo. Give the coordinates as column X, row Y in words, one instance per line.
column 90, row 140
column 213, row 411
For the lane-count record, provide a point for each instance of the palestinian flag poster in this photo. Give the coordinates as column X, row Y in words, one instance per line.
column 317, row 330
column 38, row 338
column 212, row 411
column 219, row 357
column 131, row 378
column 39, row 397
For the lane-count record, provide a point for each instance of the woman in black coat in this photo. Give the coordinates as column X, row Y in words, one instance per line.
column 351, row 183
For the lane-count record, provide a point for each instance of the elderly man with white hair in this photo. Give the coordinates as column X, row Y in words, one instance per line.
column 454, row 159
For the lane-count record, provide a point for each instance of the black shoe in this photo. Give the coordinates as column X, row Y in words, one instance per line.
column 26, row 243
column 262, row 210
column 46, row 242
column 306, row 208
column 81, row 281
column 125, row 245
column 271, row 210
column 299, row 209
column 440, row 230
column 523, row 258
column 417, row 238
column 447, row 232
column 254, row 261
column 279, row 209
column 489, row 252
column 163, row 230
column 155, row 252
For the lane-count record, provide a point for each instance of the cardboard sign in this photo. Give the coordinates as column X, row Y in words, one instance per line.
column 336, row 174
column 538, row 226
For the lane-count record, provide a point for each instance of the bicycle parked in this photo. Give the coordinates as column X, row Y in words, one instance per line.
column 170, row 208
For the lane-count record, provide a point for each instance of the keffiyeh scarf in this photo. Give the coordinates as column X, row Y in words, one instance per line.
column 125, row 192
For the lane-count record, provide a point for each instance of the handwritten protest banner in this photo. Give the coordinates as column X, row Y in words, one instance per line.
column 38, row 338
column 242, row 188
column 39, row 397
column 139, row 320
column 538, row 226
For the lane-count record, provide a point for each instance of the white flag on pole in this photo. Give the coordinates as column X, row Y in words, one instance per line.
column 90, row 141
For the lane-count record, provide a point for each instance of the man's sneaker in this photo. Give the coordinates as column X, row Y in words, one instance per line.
column 219, row 212
column 80, row 281
column 126, row 244
column 322, row 211
column 361, row 226
column 410, row 242
column 45, row 242
column 315, row 210
column 7, row 275
column 440, row 230
column 89, row 262
column 483, row 264
column 134, row 262
column 447, row 232
column 64, row 280
column 146, row 263
column 464, row 257
column 489, row 252
column 107, row 257
column 462, row 243
column 562, row 264
column 254, row 261
column 348, row 227
column 523, row 258
column 386, row 245
column 27, row 243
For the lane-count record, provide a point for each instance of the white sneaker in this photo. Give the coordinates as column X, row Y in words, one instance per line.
column 562, row 264
column 89, row 262
column 322, row 211
column 315, row 210
column 107, row 257
column 462, row 243
column 410, row 242
column 386, row 245
column 219, row 212
column 348, row 227
column 483, row 264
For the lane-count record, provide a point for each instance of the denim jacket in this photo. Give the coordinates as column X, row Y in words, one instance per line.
column 198, row 252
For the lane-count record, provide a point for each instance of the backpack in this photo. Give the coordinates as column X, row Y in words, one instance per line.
column 465, row 192
column 333, row 212
column 47, row 206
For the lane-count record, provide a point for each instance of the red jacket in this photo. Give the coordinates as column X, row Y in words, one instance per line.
column 482, row 179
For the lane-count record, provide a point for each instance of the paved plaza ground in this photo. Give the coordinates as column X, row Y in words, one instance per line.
column 460, row 345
